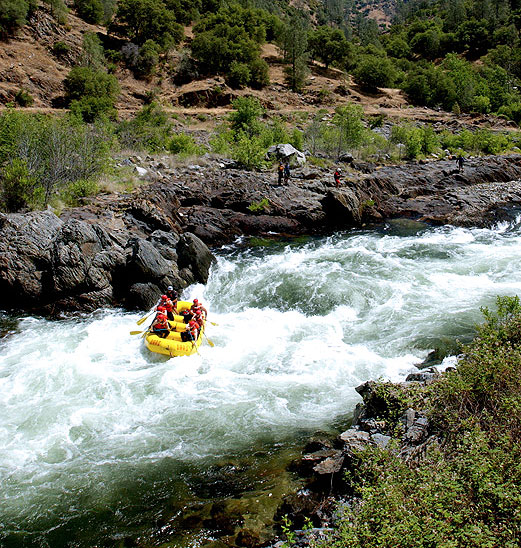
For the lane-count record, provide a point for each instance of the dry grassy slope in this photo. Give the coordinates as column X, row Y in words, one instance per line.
column 26, row 62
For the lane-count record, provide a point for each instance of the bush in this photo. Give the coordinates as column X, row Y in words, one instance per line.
column 373, row 72
column 90, row 11
column 54, row 151
column 184, row 145
column 465, row 491
column 147, row 59
column 16, row 185
column 259, row 73
column 239, row 75
column 13, row 14
column 246, row 114
column 91, row 93
column 77, row 190
column 248, row 151
column 149, row 130
column 24, row 98
column 60, row 49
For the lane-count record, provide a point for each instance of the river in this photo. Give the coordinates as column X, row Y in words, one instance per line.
column 106, row 444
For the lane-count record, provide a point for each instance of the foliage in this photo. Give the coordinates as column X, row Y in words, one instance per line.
column 184, row 145
column 374, row 71
column 293, row 39
column 246, row 114
column 248, row 151
column 60, row 49
column 466, row 491
column 24, row 98
column 46, row 154
column 259, row 207
column 416, row 140
column 149, row 129
column 75, row 191
column 90, row 93
column 329, row 45
column 16, row 185
column 348, row 120
column 230, row 39
column 147, row 59
column 92, row 54
column 13, row 14
column 90, row 11
column 142, row 19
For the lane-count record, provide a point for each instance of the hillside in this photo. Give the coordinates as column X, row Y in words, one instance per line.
column 27, row 63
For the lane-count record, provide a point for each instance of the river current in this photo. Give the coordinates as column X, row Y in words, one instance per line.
column 102, row 440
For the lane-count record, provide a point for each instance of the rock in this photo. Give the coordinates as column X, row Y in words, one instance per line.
column 354, row 440
column 141, row 171
column 426, row 376
column 194, row 257
column 381, row 440
column 142, row 296
column 286, row 152
column 144, row 262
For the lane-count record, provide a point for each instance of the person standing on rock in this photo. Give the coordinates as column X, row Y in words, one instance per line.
column 286, row 173
column 460, row 161
column 336, row 176
column 280, row 171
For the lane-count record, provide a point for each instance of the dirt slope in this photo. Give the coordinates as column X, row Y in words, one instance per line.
column 27, row 62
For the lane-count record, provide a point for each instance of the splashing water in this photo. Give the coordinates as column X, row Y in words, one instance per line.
column 98, row 433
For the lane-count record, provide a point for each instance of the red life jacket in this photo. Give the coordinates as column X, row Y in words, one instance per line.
column 193, row 331
column 161, row 322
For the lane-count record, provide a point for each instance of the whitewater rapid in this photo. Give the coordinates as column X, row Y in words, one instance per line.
column 89, row 416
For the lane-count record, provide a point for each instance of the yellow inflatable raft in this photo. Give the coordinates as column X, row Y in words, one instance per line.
column 173, row 345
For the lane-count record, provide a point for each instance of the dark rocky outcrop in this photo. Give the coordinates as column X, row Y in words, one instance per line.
column 49, row 264
column 123, row 249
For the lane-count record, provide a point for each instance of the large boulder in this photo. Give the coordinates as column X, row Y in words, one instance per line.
column 25, row 246
column 286, row 152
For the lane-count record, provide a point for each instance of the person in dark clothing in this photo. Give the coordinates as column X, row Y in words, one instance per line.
column 286, row 173
column 280, row 171
column 460, row 161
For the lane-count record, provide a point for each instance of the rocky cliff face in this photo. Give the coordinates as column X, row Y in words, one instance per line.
column 49, row 264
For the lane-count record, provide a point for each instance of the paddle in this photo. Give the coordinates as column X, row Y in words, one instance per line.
column 141, row 320
column 136, row 332
column 208, row 340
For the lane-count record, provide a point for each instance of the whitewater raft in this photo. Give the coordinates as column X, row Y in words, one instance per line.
column 173, row 345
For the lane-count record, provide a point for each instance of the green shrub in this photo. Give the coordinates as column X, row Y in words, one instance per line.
column 79, row 189
column 16, row 185
column 149, row 129
column 373, row 72
column 60, row 49
column 466, row 490
column 24, row 98
column 90, row 11
column 259, row 71
column 54, row 152
column 248, row 151
column 13, row 14
column 239, row 75
column 147, row 59
column 246, row 114
column 184, row 145
column 90, row 92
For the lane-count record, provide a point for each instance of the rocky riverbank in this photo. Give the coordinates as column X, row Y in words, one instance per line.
column 124, row 249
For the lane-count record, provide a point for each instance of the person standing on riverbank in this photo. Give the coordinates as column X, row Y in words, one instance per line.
column 460, row 161
column 286, row 173
column 280, row 171
column 336, row 176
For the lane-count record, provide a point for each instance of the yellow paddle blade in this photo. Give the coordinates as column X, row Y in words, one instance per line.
column 140, row 321
column 213, row 323
column 136, row 332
